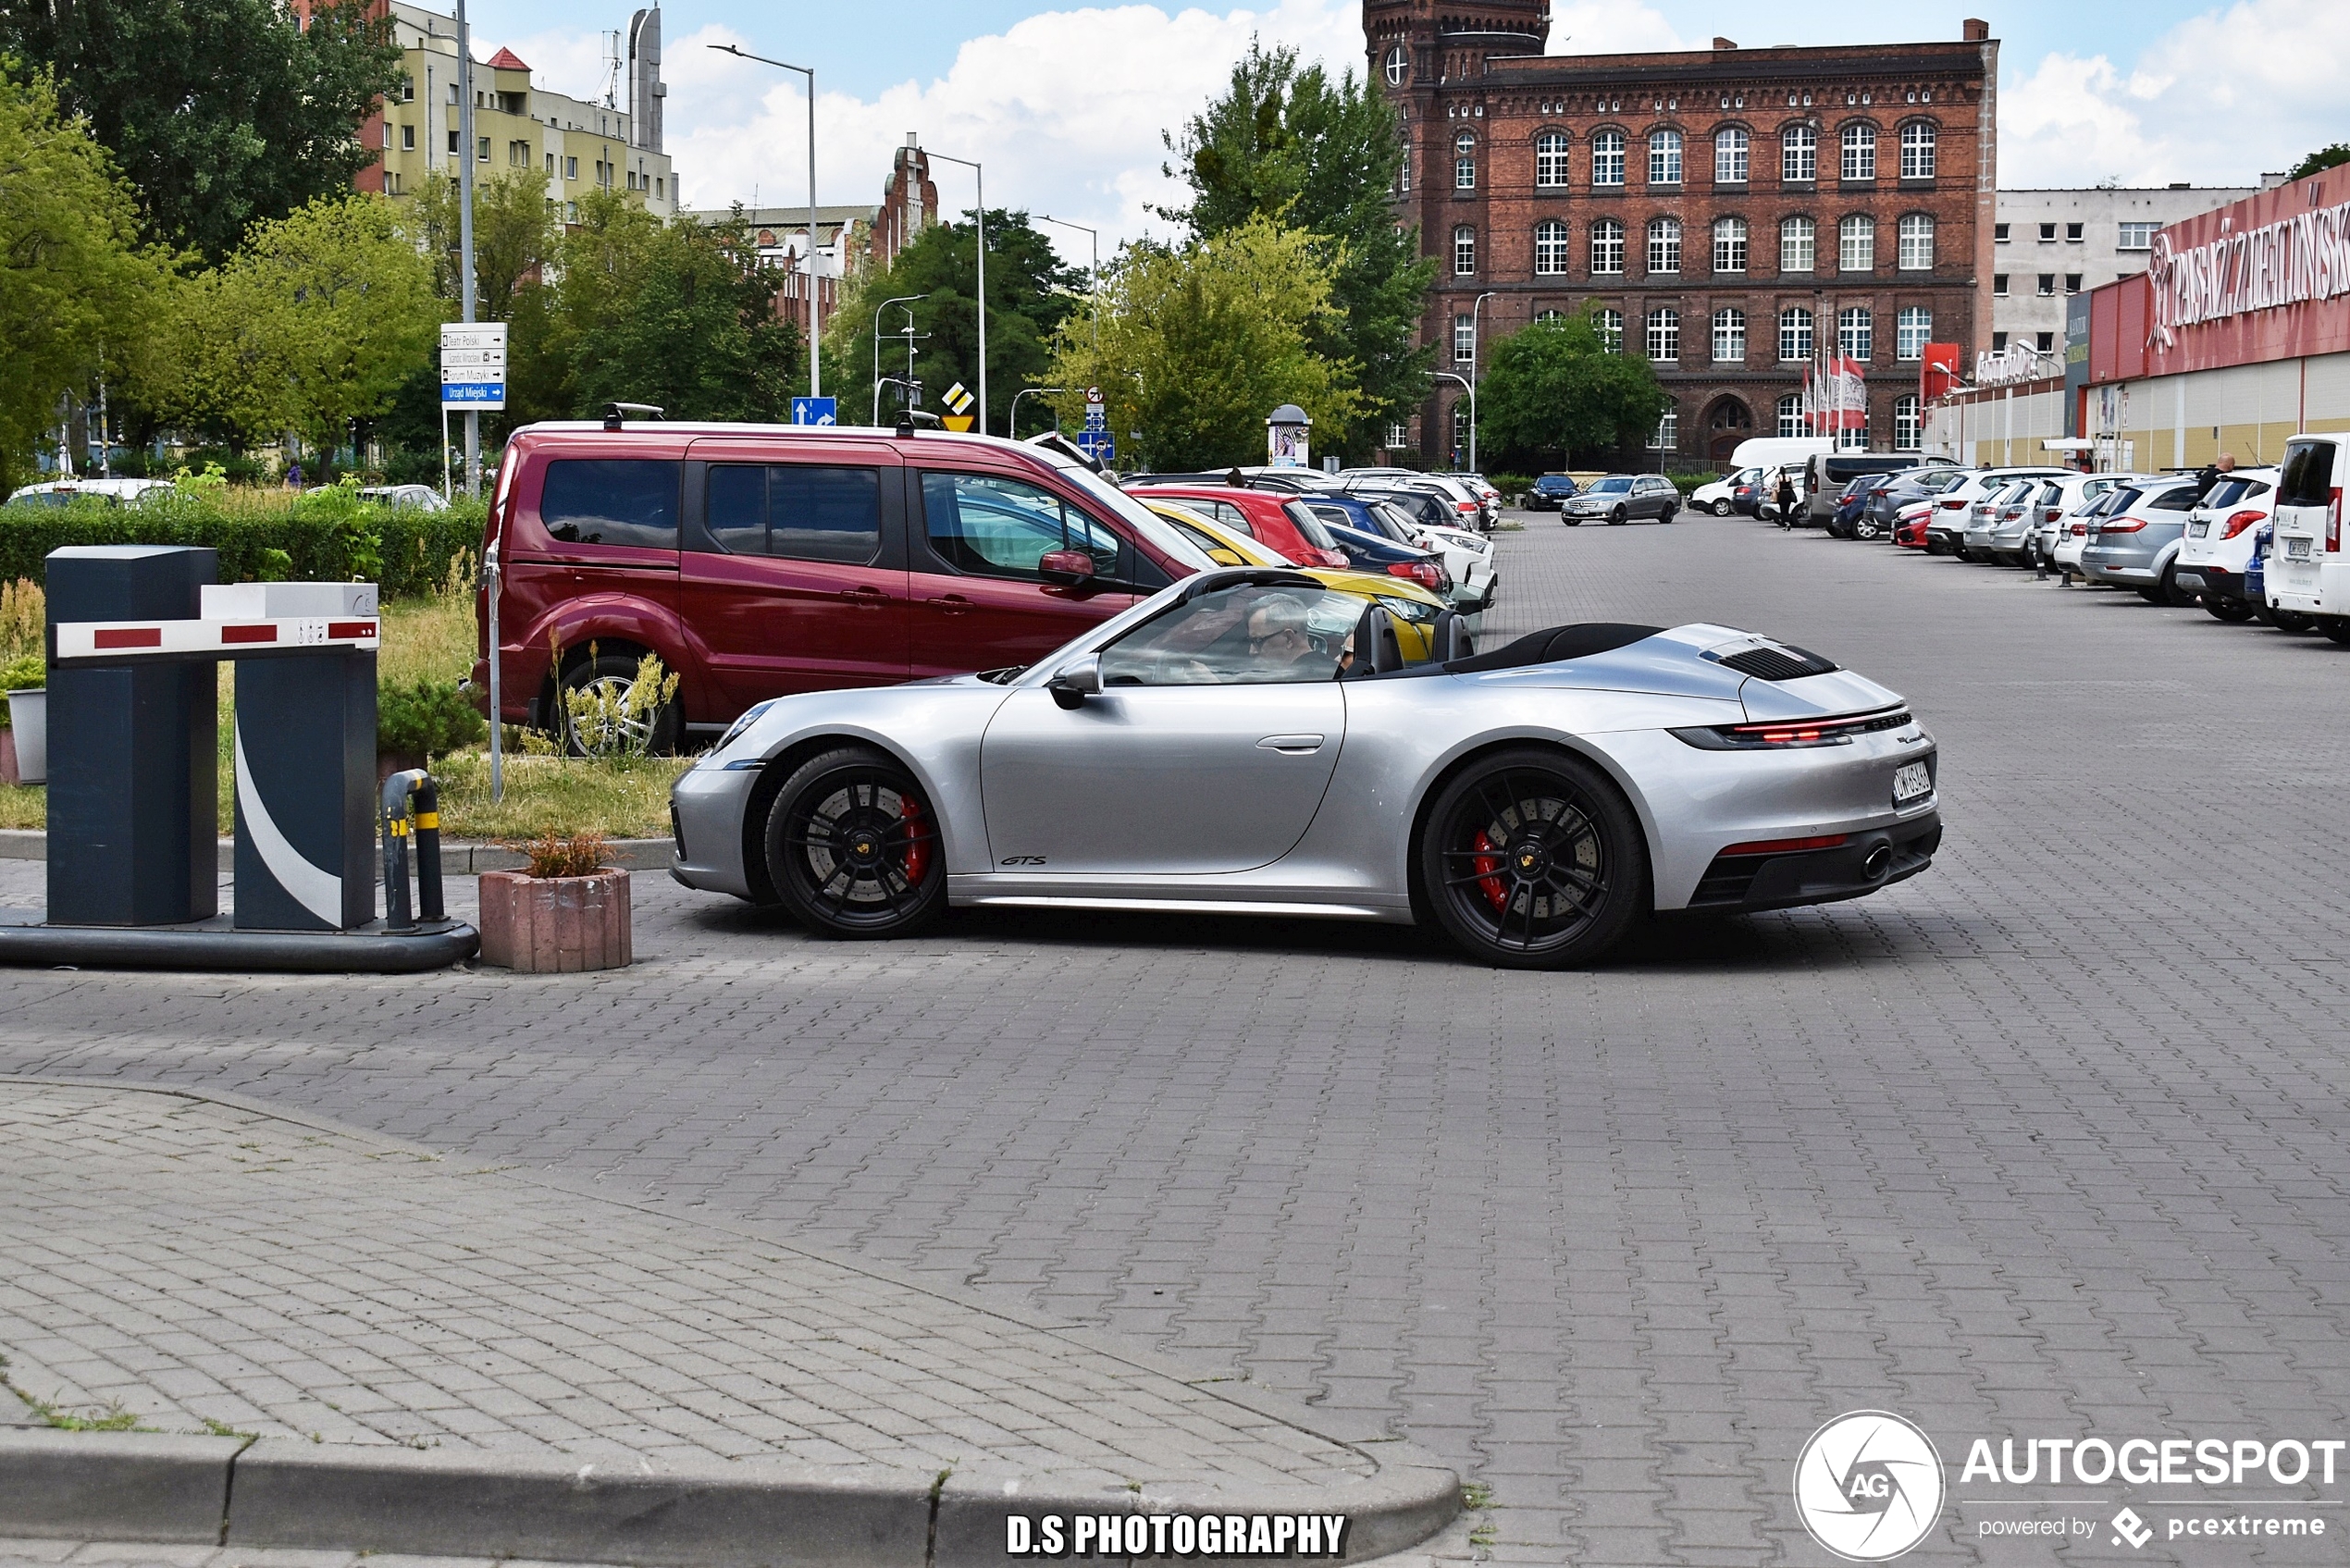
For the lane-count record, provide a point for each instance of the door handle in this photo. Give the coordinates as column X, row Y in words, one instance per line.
column 1292, row 746
column 865, row 598
column 951, row 604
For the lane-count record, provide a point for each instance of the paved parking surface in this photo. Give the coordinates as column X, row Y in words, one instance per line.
column 2049, row 1142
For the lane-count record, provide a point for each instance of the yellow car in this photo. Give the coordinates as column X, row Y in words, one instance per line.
column 1414, row 608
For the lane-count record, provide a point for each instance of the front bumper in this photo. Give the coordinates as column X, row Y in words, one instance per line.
column 1865, row 863
column 706, row 808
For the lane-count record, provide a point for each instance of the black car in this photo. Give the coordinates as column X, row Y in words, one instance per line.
column 1550, row 492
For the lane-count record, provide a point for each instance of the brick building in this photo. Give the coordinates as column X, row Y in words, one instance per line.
column 1727, row 208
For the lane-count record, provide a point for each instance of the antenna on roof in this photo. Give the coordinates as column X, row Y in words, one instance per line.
column 613, row 61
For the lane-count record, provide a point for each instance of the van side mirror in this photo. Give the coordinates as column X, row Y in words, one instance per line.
column 1078, row 680
column 1067, row 567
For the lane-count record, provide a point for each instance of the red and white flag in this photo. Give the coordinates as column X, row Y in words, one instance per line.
column 1835, row 397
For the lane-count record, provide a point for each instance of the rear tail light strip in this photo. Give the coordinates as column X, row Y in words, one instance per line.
column 1839, row 730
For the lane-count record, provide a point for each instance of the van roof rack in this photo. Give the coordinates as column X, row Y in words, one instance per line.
column 615, row 412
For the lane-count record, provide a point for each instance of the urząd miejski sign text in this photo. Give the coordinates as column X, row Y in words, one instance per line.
column 2288, row 261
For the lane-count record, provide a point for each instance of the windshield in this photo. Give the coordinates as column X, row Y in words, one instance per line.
column 1613, row 486
column 1297, row 512
column 1163, row 536
column 1398, row 522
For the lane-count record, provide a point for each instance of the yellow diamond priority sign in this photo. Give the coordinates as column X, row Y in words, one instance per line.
column 959, row 403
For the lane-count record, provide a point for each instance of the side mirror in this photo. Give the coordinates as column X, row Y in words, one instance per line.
column 1079, row 679
column 1067, row 567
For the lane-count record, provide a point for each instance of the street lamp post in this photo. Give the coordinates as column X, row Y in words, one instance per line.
column 815, row 385
column 1013, row 428
column 1448, row 375
column 900, row 300
column 1094, row 273
column 465, row 229
column 980, row 213
column 1477, row 345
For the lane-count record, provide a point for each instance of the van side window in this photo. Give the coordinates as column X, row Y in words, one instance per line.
column 612, row 500
column 2307, row 479
column 793, row 512
column 998, row 527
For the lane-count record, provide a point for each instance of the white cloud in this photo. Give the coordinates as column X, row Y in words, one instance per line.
column 2217, row 100
column 1597, row 27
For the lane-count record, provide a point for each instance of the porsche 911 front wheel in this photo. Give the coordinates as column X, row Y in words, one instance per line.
column 1532, row 860
column 853, row 847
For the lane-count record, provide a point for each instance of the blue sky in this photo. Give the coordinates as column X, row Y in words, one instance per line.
column 1065, row 101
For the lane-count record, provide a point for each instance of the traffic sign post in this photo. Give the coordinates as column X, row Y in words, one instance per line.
column 815, row 410
column 473, row 365
column 959, row 404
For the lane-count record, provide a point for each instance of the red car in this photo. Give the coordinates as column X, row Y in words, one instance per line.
column 1281, row 523
column 763, row 560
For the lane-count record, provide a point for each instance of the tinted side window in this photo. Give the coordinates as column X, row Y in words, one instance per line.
column 999, row 527
column 2308, row 474
column 795, row 512
column 2181, row 499
column 612, row 500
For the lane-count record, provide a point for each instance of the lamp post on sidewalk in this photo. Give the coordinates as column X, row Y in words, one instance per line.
column 900, row 300
column 1476, row 348
column 1094, row 273
column 1012, row 429
column 1448, row 375
column 979, row 214
column 815, row 387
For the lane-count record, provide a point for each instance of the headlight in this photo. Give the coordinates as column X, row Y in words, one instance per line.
column 750, row 717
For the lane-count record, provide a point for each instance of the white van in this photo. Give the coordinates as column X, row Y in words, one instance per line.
column 2307, row 571
column 1778, row 451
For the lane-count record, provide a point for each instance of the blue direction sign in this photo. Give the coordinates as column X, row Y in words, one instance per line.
column 1097, row 445
column 815, row 410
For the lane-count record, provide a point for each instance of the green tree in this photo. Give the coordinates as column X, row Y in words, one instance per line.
column 681, row 315
column 315, row 322
column 1029, row 295
column 1555, row 389
column 221, row 112
column 1198, row 344
column 1321, row 155
column 515, row 236
column 78, row 291
column 2326, row 157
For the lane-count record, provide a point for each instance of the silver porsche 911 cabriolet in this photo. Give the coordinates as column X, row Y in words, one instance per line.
column 1252, row 741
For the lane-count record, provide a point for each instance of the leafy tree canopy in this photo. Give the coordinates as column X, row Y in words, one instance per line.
column 1554, row 388
column 1028, row 294
column 221, row 112
column 1198, row 344
column 2324, row 158
column 1294, row 146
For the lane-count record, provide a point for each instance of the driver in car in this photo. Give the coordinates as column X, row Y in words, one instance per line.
column 1278, row 640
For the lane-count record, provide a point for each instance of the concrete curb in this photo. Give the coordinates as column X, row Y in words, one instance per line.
column 457, row 858
column 284, row 1493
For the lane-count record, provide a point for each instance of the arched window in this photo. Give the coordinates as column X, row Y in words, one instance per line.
column 1464, row 162
column 1917, row 150
column 1798, row 240
column 1859, row 161
column 1790, row 414
column 1730, row 337
column 1607, row 158
column 1912, row 329
column 1665, row 335
column 1856, row 243
column 1550, row 160
column 1664, row 157
column 1729, row 244
column 1798, row 152
column 1729, row 155
column 1549, row 248
column 1549, row 313
column 1607, row 246
column 1795, row 334
column 1463, row 251
column 1610, row 328
column 1914, row 251
column 1908, row 430
column 1665, row 245
column 1856, row 332
column 1398, row 65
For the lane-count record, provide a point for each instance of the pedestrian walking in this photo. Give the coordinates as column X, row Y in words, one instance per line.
column 1785, row 499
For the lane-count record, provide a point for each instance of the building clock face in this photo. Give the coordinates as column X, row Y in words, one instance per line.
column 1399, row 65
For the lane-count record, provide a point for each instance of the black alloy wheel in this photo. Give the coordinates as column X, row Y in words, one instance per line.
column 1531, row 860
column 2226, row 610
column 1618, row 516
column 853, row 847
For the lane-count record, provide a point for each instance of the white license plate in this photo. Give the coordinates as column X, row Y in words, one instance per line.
column 2198, row 529
column 1910, row 781
column 2296, row 548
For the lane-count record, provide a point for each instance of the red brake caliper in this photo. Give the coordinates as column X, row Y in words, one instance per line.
column 1488, row 866
column 910, row 811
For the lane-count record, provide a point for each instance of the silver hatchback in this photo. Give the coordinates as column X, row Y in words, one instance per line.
column 2134, row 544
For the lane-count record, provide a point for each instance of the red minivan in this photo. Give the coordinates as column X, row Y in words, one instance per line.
column 760, row 560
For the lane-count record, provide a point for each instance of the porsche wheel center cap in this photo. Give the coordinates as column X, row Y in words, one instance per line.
column 1530, row 857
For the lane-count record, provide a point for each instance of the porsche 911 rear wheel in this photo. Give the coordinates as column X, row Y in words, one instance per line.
column 1532, row 860
column 853, row 847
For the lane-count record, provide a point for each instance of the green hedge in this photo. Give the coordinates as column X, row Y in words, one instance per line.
column 323, row 537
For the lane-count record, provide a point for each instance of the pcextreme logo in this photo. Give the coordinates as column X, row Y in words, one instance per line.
column 1868, row 1485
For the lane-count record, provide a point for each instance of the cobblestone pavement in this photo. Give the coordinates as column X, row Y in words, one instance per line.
column 2048, row 1142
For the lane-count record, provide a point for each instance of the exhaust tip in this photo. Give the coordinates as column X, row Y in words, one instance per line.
column 1879, row 862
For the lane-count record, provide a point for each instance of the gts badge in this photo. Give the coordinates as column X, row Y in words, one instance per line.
column 1023, row 860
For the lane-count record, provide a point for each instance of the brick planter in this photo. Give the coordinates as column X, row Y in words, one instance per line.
column 555, row 925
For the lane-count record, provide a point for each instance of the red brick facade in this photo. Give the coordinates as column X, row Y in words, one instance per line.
column 1542, row 132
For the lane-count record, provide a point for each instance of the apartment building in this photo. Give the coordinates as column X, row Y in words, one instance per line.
column 2049, row 245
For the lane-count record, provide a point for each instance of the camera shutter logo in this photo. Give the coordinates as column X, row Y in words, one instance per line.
column 1868, row 1485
